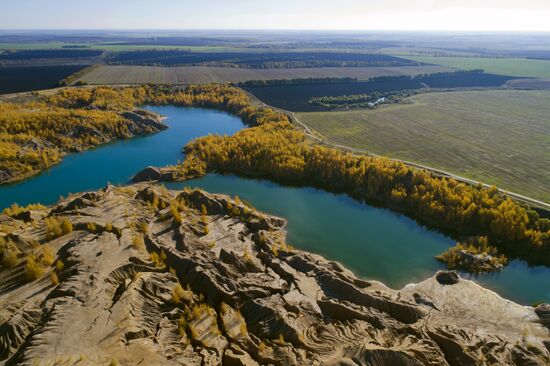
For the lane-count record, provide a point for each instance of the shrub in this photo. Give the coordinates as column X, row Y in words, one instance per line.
column 9, row 258
column 175, row 214
column 177, row 294
column 15, row 209
column 262, row 239
column 53, row 278
column 57, row 226
column 262, row 348
column 66, row 226
column 157, row 260
column 143, row 227
column 59, row 265
column 138, row 243
column 275, row 249
column 242, row 327
column 33, row 268
column 53, row 228
column 247, row 257
column 181, row 326
column 48, row 255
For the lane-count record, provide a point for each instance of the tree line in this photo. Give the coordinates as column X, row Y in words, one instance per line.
column 423, row 76
column 359, row 100
column 297, row 81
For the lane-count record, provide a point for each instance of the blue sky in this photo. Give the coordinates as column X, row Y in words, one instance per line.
column 517, row 15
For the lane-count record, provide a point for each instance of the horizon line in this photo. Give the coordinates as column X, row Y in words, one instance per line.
column 280, row 30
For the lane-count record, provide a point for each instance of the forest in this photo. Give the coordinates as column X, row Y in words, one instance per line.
column 15, row 79
column 35, row 135
column 42, row 54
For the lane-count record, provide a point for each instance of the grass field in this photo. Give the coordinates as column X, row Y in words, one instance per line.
column 497, row 137
column 517, row 67
column 202, row 75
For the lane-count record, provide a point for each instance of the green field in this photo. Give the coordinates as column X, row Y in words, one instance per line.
column 519, row 67
column 202, row 75
column 497, row 137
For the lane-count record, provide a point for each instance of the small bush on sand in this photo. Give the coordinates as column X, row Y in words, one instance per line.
column 33, row 268
column 177, row 294
column 48, row 255
column 53, row 278
column 9, row 258
column 138, row 243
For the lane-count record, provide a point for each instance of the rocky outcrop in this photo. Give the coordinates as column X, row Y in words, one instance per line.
column 152, row 174
column 151, row 276
column 143, row 119
column 447, row 277
column 5, row 175
column 30, row 215
column 543, row 312
column 482, row 262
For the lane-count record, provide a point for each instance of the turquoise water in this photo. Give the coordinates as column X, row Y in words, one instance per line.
column 374, row 242
column 118, row 162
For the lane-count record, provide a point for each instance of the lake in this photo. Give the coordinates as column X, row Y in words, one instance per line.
column 375, row 243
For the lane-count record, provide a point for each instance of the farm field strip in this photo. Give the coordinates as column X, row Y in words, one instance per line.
column 202, row 75
column 517, row 67
column 496, row 137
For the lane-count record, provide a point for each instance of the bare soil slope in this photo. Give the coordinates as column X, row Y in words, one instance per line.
column 156, row 277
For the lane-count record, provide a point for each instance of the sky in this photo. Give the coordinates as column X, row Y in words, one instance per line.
column 465, row 15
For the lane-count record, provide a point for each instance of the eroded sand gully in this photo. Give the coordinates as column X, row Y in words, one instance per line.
column 157, row 277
